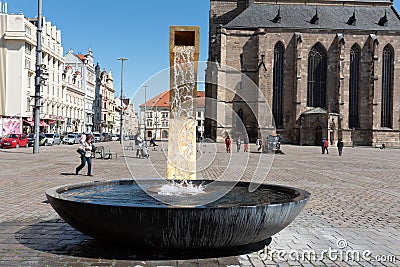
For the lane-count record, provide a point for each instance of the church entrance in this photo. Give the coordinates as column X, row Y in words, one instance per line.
column 318, row 135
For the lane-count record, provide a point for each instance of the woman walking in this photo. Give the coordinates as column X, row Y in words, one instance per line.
column 86, row 156
column 228, row 144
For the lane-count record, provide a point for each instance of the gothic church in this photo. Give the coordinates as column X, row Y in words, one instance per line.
column 326, row 69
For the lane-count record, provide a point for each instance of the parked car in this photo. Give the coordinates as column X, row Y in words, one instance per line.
column 31, row 139
column 71, row 139
column 97, row 137
column 114, row 137
column 14, row 140
column 52, row 139
column 106, row 137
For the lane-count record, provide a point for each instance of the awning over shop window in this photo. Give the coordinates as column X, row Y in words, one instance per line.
column 31, row 123
column 42, row 123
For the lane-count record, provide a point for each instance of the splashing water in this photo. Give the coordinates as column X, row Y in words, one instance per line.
column 181, row 189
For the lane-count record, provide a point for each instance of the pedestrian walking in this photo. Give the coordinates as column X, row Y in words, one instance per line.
column 138, row 144
column 238, row 143
column 340, row 146
column 82, row 139
column 264, row 145
column 326, row 146
column 258, row 143
column 323, row 145
column 86, row 156
column 246, row 144
column 228, row 144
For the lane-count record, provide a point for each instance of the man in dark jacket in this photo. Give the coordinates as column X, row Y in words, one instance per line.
column 340, row 146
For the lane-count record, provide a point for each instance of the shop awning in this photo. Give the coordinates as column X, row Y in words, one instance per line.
column 31, row 123
column 42, row 123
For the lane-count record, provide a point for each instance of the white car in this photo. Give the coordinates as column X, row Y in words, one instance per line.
column 52, row 139
column 97, row 137
column 71, row 139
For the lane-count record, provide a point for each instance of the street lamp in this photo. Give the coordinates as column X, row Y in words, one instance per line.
column 122, row 93
column 155, row 123
column 145, row 112
column 38, row 78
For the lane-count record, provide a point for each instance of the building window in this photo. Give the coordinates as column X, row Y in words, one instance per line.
column 149, row 114
column 28, row 104
column 355, row 53
column 316, row 85
column 27, row 63
column 387, row 87
column 28, row 49
column 164, row 134
column 149, row 123
column 28, row 30
column 278, row 84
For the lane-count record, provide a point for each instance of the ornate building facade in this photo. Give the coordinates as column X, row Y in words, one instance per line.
column 326, row 69
column 105, row 107
column 84, row 64
column 17, row 74
column 74, row 99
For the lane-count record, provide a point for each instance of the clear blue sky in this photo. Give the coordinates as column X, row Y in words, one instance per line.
column 134, row 29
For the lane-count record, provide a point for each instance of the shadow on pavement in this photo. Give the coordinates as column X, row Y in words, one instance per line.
column 57, row 237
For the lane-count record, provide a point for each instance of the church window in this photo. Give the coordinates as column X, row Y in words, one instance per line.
column 316, row 85
column 354, row 86
column 278, row 84
column 387, row 87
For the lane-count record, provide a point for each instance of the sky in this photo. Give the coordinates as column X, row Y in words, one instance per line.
column 133, row 29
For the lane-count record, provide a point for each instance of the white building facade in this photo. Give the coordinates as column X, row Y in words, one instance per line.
column 75, row 97
column 17, row 75
column 85, row 66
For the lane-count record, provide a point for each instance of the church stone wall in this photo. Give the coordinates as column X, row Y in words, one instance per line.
column 252, row 52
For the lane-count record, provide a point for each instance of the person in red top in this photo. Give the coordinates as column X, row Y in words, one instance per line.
column 326, row 146
column 228, row 144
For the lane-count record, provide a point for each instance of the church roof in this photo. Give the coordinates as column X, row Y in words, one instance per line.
column 332, row 17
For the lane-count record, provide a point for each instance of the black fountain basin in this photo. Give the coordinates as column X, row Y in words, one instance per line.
column 122, row 212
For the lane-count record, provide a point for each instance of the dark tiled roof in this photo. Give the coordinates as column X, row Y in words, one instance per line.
column 330, row 17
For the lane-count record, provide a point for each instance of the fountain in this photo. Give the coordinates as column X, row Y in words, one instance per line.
column 139, row 212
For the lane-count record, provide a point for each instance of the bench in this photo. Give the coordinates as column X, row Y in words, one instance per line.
column 107, row 153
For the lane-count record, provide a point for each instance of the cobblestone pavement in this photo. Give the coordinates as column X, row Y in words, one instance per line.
column 353, row 211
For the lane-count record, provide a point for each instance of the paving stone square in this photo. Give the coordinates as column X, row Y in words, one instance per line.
column 354, row 206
